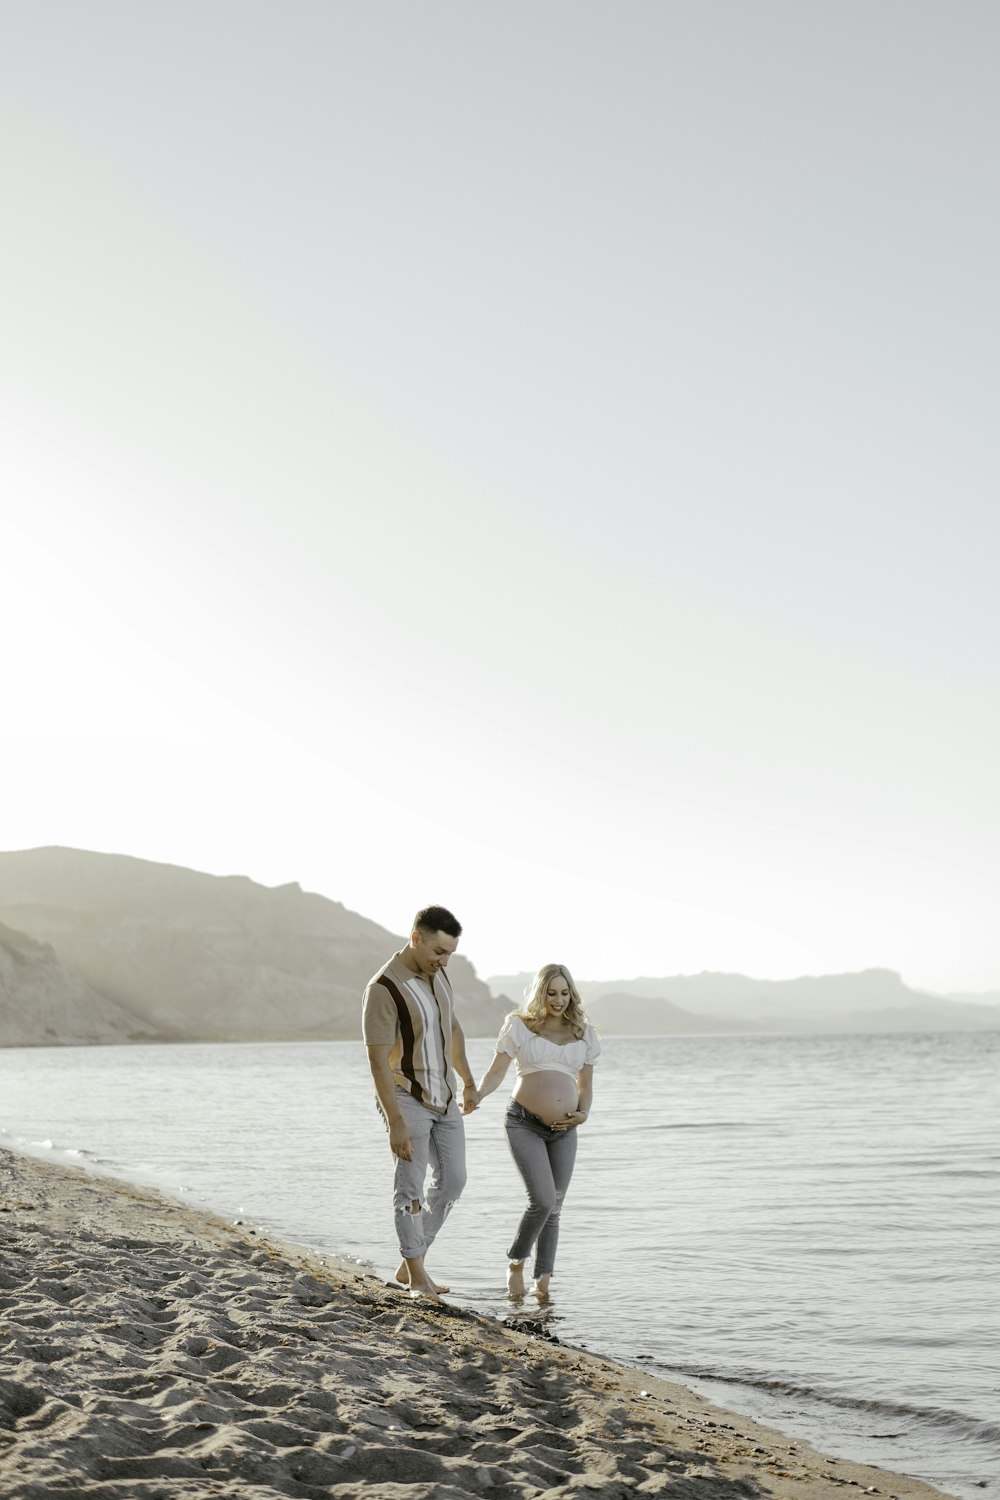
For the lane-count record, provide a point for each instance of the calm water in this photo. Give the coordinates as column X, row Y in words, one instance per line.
column 803, row 1228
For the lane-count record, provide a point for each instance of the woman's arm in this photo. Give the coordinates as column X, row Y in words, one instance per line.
column 585, row 1083
column 494, row 1075
column 585, row 1088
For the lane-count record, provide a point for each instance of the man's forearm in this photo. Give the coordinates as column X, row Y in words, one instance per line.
column 385, row 1087
column 458, row 1056
column 470, row 1096
column 400, row 1141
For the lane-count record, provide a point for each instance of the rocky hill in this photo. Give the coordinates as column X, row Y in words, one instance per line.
column 205, row 957
column 44, row 1004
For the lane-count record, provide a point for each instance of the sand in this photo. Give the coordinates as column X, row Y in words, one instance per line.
column 148, row 1350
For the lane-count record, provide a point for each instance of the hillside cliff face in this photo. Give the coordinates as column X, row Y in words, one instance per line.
column 44, row 1004
column 199, row 957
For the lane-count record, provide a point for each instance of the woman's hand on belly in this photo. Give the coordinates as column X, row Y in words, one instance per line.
column 549, row 1094
column 577, row 1117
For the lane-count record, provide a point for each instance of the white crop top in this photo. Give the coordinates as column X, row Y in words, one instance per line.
column 536, row 1054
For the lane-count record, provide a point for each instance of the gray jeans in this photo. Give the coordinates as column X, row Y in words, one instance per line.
column 438, row 1142
column 544, row 1158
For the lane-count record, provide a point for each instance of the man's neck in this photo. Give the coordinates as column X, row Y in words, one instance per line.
column 412, row 965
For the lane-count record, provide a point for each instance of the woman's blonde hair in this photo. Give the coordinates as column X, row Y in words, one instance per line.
column 533, row 1013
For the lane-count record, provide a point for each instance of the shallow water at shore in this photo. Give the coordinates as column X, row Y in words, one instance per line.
column 803, row 1228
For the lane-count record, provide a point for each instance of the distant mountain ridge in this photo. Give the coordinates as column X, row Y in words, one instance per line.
column 105, row 947
column 873, row 1000
column 179, row 955
column 621, row 1014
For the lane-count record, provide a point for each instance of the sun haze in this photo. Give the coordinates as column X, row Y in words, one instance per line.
column 554, row 444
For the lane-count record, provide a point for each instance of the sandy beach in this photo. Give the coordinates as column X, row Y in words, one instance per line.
column 153, row 1351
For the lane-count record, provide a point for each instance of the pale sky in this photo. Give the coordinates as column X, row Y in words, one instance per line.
column 537, row 457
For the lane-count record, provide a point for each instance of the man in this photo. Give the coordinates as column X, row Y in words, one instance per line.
column 413, row 1042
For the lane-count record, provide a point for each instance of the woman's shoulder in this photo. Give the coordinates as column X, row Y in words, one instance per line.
column 513, row 1021
column 592, row 1039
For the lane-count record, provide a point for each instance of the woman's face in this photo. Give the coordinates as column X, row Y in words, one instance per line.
column 557, row 996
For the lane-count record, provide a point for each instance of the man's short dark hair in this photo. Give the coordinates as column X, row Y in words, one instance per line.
column 437, row 919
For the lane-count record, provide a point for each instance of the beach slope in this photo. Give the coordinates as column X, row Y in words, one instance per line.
column 151, row 1352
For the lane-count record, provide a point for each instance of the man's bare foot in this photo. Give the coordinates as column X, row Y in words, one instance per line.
column 404, row 1278
column 542, row 1288
column 515, row 1278
column 425, row 1290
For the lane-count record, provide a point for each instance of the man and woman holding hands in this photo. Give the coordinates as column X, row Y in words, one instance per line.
column 416, row 1045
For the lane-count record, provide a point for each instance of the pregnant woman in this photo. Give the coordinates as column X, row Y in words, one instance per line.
column 554, row 1047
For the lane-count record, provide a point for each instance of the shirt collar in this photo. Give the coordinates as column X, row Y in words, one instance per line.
column 404, row 974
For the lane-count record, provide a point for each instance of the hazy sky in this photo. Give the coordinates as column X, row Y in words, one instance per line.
column 539, row 457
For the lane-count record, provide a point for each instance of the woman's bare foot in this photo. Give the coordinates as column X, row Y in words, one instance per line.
column 542, row 1288
column 515, row 1278
column 422, row 1284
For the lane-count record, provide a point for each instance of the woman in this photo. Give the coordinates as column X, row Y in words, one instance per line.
column 555, row 1048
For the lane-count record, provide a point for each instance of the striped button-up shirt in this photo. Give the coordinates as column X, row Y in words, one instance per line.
column 412, row 1015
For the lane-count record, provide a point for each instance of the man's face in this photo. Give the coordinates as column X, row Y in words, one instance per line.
column 431, row 950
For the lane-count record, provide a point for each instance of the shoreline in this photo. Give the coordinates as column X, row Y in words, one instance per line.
column 152, row 1351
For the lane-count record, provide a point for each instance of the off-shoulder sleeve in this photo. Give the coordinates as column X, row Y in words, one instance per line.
column 506, row 1040
column 593, row 1042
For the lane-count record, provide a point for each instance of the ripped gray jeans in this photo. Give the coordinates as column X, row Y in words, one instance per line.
column 438, row 1142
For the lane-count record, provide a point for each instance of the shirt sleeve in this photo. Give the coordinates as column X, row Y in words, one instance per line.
column 378, row 1016
column 505, row 1041
column 593, row 1042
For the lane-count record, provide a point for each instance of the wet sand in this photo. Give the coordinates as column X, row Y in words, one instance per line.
column 149, row 1351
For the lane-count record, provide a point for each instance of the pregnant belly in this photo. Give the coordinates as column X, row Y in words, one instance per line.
column 550, row 1095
